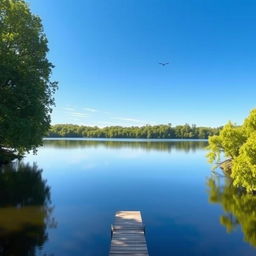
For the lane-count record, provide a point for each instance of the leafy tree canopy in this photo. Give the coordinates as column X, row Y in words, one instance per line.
column 26, row 91
column 237, row 144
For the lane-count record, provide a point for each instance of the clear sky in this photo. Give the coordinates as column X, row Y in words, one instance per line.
column 106, row 54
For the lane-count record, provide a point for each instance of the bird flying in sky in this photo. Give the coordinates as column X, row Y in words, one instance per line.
column 163, row 64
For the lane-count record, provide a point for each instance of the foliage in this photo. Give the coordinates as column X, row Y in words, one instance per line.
column 157, row 131
column 26, row 92
column 244, row 166
column 238, row 144
column 250, row 123
column 239, row 207
column 227, row 143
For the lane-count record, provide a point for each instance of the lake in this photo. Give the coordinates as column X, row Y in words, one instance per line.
column 62, row 201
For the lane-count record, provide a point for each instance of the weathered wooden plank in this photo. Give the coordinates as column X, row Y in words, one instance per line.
column 128, row 247
column 129, row 253
column 123, row 243
column 134, row 254
column 114, row 243
column 128, row 235
column 129, row 250
column 131, row 238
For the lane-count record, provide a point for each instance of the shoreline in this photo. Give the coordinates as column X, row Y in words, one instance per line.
column 120, row 139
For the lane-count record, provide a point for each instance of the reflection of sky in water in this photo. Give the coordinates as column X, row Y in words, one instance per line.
column 168, row 184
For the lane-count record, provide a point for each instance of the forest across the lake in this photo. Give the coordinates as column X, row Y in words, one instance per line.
column 185, row 131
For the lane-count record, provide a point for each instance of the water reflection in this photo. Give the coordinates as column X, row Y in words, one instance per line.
column 239, row 207
column 91, row 180
column 25, row 211
column 160, row 145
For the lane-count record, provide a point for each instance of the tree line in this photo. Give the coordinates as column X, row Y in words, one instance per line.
column 145, row 132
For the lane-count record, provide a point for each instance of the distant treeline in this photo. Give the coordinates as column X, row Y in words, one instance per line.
column 146, row 132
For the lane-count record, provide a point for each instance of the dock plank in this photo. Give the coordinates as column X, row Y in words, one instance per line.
column 128, row 235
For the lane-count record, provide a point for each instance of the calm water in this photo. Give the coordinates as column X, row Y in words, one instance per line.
column 62, row 201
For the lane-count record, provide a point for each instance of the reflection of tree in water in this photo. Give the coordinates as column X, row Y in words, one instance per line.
column 239, row 207
column 25, row 211
column 168, row 146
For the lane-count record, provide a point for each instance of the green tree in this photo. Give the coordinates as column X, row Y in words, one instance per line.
column 244, row 166
column 227, row 143
column 26, row 91
column 237, row 145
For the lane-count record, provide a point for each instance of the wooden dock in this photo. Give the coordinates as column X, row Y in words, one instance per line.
column 128, row 235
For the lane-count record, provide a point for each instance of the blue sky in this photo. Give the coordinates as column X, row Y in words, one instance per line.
column 106, row 54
